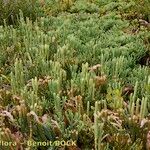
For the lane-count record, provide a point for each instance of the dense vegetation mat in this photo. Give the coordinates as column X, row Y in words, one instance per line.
column 76, row 78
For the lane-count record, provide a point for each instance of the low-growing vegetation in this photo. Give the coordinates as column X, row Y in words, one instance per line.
column 77, row 71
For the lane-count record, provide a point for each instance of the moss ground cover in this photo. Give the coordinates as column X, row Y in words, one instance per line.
column 75, row 71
